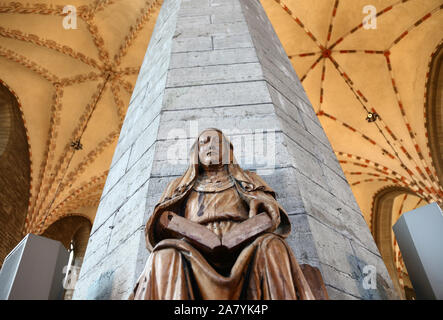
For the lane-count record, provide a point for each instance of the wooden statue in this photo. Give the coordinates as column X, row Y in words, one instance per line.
column 218, row 233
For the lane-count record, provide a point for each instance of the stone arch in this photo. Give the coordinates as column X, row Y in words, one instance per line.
column 72, row 230
column 66, row 228
column 434, row 111
column 15, row 172
column 382, row 228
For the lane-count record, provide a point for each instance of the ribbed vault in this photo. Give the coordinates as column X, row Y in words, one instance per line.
column 351, row 72
column 75, row 85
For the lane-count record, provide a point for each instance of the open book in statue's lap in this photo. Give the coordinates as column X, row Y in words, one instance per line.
column 218, row 233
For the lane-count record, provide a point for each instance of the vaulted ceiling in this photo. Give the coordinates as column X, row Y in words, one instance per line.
column 74, row 85
column 349, row 70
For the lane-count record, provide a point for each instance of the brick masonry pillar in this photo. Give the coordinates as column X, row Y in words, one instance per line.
column 219, row 63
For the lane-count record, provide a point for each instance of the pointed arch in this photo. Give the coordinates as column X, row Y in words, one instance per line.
column 15, row 171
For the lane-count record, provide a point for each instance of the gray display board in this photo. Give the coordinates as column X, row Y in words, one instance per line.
column 419, row 235
column 33, row 270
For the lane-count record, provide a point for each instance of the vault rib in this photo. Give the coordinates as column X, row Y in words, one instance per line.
column 414, row 25
column 412, row 184
column 29, row 64
column 410, row 130
column 68, row 153
column 361, row 24
column 48, row 156
column 90, row 158
column 135, row 29
column 50, row 44
column 95, row 184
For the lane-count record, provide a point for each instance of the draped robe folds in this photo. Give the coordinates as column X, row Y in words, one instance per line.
column 264, row 269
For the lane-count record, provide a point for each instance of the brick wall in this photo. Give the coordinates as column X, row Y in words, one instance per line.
column 65, row 230
column 14, row 175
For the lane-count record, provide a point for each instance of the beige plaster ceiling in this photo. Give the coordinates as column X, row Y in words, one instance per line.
column 348, row 71
column 74, row 84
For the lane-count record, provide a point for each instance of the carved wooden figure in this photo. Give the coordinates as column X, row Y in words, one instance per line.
column 218, row 233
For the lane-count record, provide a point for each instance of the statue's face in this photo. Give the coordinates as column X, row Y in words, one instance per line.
column 210, row 148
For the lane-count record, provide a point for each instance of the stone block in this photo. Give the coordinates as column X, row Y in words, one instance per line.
column 232, row 16
column 335, row 294
column 232, row 41
column 134, row 178
column 97, row 246
column 301, row 241
column 127, row 219
column 306, row 163
column 339, row 186
column 214, row 74
column 211, row 30
column 287, row 189
column 115, row 279
column 384, row 289
column 191, row 44
column 314, row 127
column 118, row 170
column 343, row 282
column 220, row 4
column 237, row 119
column 229, row 94
column 285, row 108
column 144, row 142
column 210, row 58
column 185, row 22
column 333, row 248
column 194, row 4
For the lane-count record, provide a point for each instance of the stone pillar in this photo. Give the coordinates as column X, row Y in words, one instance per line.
column 219, row 63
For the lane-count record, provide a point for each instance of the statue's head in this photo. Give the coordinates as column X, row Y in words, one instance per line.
column 214, row 150
column 210, row 148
